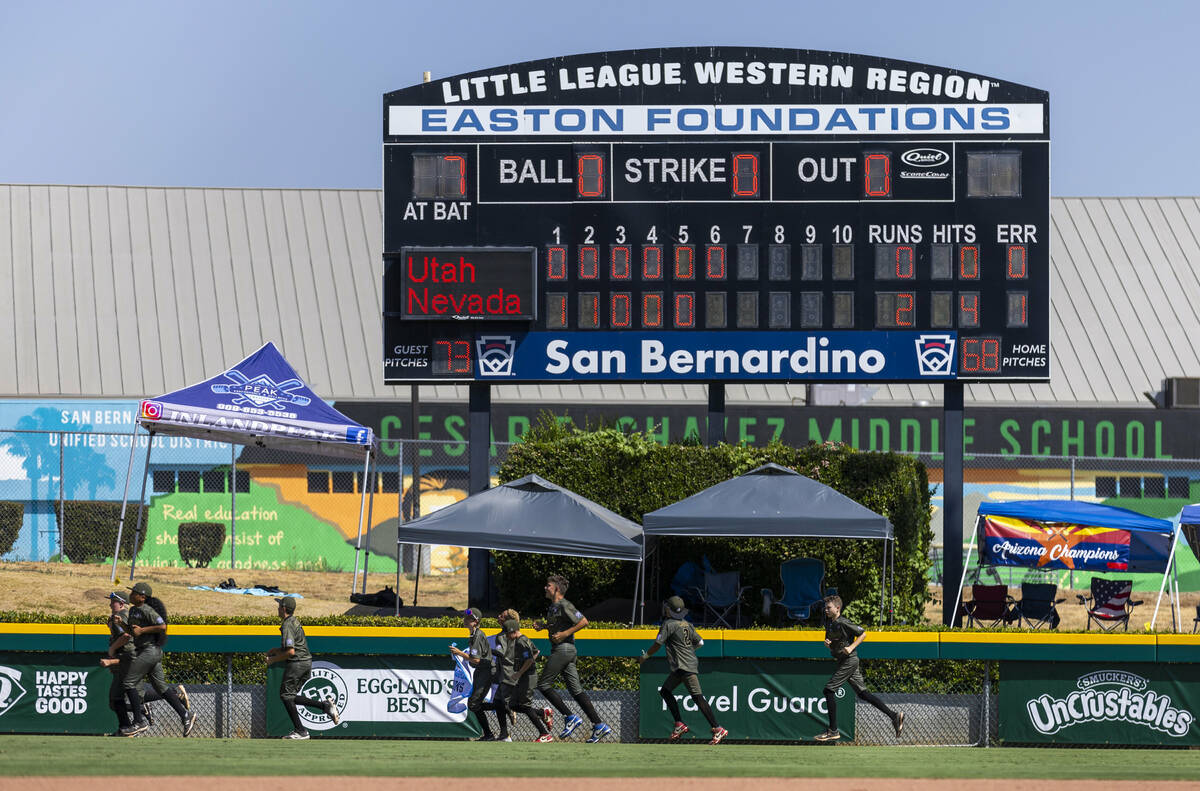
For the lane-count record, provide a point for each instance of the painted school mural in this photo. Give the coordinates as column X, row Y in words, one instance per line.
column 296, row 511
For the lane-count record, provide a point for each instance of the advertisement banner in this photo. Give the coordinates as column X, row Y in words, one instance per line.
column 1014, row 541
column 54, row 693
column 1153, row 704
column 754, row 699
column 379, row 696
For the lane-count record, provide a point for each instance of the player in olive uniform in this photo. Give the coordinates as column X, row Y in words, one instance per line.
column 479, row 656
column 563, row 620
column 518, row 676
column 681, row 639
column 293, row 649
column 147, row 630
column 120, row 654
column 842, row 638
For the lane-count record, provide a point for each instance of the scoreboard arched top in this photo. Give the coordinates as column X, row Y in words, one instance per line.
column 716, row 213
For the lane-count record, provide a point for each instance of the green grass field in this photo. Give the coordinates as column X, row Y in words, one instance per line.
column 93, row 755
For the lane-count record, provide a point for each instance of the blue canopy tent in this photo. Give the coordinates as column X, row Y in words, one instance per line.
column 259, row 401
column 1072, row 534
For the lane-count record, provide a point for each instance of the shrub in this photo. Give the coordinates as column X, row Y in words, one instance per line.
column 200, row 542
column 91, row 529
column 632, row 475
column 11, row 517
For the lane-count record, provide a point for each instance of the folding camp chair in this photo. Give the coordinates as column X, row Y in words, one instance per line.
column 803, row 588
column 721, row 595
column 989, row 606
column 1037, row 606
column 1109, row 605
column 1196, row 620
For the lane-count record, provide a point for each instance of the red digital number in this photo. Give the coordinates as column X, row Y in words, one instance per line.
column 968, row 262
column 457, row 355
column 457, row 162
column 968, row 310
column 980, row 355
column 1016, row 262
column 620, row 263
column 556, row 263
column 745, row 175
column 589, row 263
column 590, row 169
column 685, row 310
column 904, row 310
column 652, row 268
column 621, row 309
column 878, row 175
column 652, row 310
column 714, row 262
column 906, row 268
column 685, row 262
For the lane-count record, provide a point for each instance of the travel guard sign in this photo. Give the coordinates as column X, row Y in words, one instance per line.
column 464, row 282
column 750, row 356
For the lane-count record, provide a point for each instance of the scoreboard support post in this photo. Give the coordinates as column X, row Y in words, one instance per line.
column 479, row 574
column 716, row 414
column 952, row 499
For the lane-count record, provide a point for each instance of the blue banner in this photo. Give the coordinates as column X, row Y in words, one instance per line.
column 716, row 356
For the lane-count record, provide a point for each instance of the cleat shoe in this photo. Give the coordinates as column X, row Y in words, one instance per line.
column 545, row 737
column 898, row 723
column 183, row 696
column 297, row 735
column 147, row 715
column 331, row 710
column 487, row 737
column 548, row 718
column 136, row 729
column 828, row 736
column 677, row 731
column 599, row 731
column 189, row 722
column 572, row 722
column 719, row 733
column 505, row 739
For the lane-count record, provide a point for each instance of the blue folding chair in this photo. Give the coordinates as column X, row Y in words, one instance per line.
column 721, row 596
column 803, row 588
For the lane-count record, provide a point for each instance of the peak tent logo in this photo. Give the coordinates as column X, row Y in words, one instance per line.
column 10, row 688
column 1110, row 696
column 262, row 391
column 935, row 355
column 326, row 685
column 495, row 354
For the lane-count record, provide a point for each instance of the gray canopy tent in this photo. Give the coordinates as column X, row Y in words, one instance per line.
column 528, row 515
column 774, row 502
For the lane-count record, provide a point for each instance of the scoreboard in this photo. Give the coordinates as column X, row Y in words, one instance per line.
column 716, row 214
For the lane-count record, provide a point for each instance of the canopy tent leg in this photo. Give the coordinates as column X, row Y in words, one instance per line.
column 1177, row 611
column 1163, row 586
column 966, row 565
column 137, row 526
column 892, row 584
column 124, row 499
column 362, row 507
column 232, row 506
column 371, row 483
column 399, row 516
column 637, row 584
column 882, row 584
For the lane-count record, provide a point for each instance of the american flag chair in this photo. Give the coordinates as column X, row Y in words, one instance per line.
column 1109, row 605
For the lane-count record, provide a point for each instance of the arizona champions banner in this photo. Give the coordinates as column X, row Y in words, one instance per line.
column 759, row 699
column 1011, row 541
column 379, row 696
column 1071, row 703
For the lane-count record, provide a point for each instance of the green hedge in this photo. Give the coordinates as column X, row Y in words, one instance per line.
column 91, row 529
column 632, row 475
column 11, row 516
column 200, row 542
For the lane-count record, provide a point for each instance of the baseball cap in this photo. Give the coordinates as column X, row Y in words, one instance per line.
column 472, row 613
column 512, row 625
column 119, row 597
column 675, row 607
column 288, row 602
column 142, row 588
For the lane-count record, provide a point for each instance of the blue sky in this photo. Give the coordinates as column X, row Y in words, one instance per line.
column 248, row 93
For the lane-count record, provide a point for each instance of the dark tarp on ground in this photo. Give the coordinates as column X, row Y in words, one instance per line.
column 768, row 501
column 526, row 515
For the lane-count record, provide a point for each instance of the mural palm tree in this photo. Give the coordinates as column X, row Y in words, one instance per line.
column 40, row 462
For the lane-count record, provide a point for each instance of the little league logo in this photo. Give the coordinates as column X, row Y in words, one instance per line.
column 935, row 355
column 10, row 688
column 325, row 684
column 495, row 354
column 262, row 391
